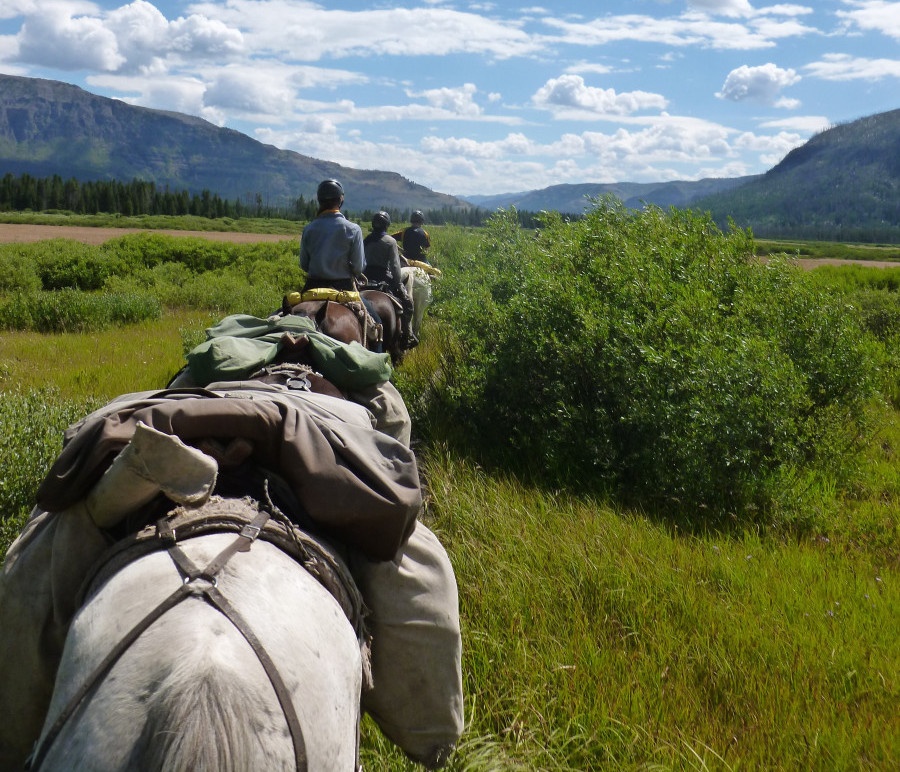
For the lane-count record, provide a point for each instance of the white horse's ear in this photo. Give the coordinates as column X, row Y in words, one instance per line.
column 152, row 463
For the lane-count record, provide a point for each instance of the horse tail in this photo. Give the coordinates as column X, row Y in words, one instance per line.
column 199, row 721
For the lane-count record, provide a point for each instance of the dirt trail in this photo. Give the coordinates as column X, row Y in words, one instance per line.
column 10, row 233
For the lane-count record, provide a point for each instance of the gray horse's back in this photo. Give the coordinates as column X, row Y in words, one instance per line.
column 190, row 693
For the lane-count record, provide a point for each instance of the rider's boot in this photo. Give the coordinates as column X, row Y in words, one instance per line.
column 407, row 336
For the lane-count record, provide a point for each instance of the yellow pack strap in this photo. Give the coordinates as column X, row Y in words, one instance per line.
column 324, row 293
column 425, row 267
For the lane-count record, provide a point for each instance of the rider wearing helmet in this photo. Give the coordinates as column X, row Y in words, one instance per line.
column 415, row 239
column 331, row 247
column 383, row 269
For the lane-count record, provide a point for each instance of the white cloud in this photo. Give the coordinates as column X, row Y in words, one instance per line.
column 687, row 31
column 310, row 32
column 459, row 101
column 732, row 8
column 777, row 29
column 760, row 84
column 55, row 38
column 808, row 124
column 842, row 67
column 569, row 93
column 592, row 68
column 133, row 37
column 9, row 51
column 669, row 148
column 786, row 103
column 180, row 94
column 246, row 91
column 11, row 9
column 269, row 90
column 873, row 16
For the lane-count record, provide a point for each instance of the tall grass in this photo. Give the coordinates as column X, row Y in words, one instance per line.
column 100, row 365
column 598, row 638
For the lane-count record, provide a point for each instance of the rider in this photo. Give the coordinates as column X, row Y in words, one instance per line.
column 415, row 239
column 383, row 267
column 331, row 247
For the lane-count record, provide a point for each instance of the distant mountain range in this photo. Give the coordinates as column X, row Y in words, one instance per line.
column 843, row 184
column 48, row 127
column 574, row 199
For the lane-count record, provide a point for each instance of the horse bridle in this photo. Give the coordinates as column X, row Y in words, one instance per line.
column 198, row 583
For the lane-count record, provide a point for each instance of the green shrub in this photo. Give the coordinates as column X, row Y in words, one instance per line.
column 70, row 310
column 647, row 353
column 65, row 264
column 17, row 271
column 151, row 249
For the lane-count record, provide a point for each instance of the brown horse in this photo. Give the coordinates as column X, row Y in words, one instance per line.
column 388, row 309
column 334, row 319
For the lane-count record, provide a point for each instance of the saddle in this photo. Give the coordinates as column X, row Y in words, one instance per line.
column 314, row 304
column 221, row 515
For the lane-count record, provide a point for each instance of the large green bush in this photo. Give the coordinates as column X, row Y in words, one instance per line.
column 648, row 354
column 17, row 270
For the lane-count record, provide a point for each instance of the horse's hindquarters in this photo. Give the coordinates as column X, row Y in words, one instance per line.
column 190, row 692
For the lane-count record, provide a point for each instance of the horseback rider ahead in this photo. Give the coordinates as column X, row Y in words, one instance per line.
column 383, row 270
column 414, row 240
column 331, row 247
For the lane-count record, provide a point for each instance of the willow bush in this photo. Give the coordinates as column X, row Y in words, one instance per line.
column 649, row 355
column 63, row 285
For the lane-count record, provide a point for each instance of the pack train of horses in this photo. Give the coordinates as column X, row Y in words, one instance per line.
column 225, row 628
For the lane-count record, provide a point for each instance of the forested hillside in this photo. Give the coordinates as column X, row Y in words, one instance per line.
column 842, row 185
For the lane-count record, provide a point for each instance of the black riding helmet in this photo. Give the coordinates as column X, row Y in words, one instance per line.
column 417, row 217
column 381, row 221
column 329, row 190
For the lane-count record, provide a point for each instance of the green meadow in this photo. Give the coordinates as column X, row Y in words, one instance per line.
column 667, row 475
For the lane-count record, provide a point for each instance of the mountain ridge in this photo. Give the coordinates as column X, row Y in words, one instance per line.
column 50, row 127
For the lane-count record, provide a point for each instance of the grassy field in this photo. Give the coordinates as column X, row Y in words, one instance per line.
column 595, row 637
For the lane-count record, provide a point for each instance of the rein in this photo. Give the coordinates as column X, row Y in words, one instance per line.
column 198, row 583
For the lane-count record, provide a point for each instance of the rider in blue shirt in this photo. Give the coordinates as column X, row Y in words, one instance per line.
column 331, row 247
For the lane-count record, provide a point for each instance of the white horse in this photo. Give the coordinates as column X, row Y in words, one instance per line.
column 418, row 285
column 192, row 692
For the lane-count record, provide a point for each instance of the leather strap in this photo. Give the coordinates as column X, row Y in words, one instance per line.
column 208, row 590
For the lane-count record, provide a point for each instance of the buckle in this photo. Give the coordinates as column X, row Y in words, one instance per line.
column 250, row 531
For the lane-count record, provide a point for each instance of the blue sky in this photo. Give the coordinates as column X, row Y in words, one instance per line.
column 485, row 97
